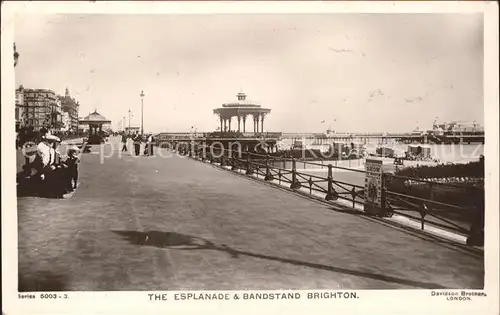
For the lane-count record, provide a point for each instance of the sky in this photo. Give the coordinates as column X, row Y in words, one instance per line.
column 355, row 72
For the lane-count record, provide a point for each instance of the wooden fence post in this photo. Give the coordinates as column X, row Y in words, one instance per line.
column 268, row 177
column 249, row 165
column 329, row 194
column 295, row 183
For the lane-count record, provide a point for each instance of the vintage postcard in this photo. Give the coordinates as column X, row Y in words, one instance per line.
column 242, row 157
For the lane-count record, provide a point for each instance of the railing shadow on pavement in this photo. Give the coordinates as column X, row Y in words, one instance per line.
column 178, row 241
column 428, row 237
column 428, row 210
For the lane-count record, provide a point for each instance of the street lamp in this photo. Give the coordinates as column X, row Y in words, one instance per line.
column 129, row 114
column 142, row 111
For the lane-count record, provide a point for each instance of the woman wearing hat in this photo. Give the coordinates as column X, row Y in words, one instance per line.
column 51, row 161
column 42, row 164
column 59, row 168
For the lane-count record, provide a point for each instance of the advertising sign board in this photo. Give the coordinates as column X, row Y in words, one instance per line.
column 373, row 185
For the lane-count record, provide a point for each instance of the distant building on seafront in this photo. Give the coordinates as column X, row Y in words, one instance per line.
column 70, row 106
column 66, row 121
column 38, row 108
column 19, row 111
column 456, row 127
column 132, row 130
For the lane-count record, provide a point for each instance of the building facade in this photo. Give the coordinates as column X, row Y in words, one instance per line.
column 132, row 130
column 66, row 120
column 457, row 127
column 19, row 111
column 56, row 115
column 70, row 106
column 37, row 108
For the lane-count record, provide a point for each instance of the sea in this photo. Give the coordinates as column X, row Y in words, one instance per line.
column 443, row 153
column 351, row 171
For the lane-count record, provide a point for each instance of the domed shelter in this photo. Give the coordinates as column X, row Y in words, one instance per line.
column 241, row 109
column 95, row 121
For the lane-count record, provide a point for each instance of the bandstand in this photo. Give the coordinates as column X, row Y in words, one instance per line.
column 95, row 122
column 241, row 109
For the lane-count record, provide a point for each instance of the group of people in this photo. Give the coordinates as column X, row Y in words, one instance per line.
column 138, row 139
column 28, row 134
column 49, row 174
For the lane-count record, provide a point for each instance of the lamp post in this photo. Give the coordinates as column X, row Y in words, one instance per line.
column 129, row 114
column 142, row 112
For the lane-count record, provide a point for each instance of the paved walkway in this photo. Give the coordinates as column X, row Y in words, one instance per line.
column 153, row 223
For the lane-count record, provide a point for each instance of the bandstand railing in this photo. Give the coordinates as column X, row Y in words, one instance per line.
column 425, row 206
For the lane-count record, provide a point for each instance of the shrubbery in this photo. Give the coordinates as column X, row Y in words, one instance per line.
column 467, row 193
column 469, row 170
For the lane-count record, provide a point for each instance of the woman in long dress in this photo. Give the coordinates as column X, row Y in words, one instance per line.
column 148, row 151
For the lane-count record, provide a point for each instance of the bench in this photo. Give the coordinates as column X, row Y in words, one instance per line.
column 84, row 146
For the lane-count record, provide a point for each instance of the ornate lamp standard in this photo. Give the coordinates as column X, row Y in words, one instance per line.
column 142, row 111
column 129, row 117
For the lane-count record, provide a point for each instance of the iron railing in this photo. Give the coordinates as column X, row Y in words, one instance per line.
column 435, row 202
column 460, row 217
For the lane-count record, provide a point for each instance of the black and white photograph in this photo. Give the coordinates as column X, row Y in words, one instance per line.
column 265, row 156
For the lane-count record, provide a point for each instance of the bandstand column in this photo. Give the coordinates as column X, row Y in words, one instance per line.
column 221, row 130
column 244, row 122
column 262, row 123
column 239, row 123
column 225, row 125
column 230, row 118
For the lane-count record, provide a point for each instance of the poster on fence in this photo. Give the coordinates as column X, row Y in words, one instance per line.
column 373, row 185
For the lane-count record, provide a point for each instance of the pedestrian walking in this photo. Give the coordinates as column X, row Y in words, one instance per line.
column 137, row 144
column 72, row 168
column 124, row 141
column 148, row 150
column 151, row 145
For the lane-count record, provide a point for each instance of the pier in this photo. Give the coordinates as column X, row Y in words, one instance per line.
column 321, row 138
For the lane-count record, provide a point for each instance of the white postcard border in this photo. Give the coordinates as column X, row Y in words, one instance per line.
column 372, row 301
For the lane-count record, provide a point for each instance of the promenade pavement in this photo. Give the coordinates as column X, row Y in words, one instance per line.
column 172, row 223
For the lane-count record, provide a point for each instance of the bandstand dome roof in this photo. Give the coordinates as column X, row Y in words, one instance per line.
column 241, row 101
column 241, row 106
column 95, row 118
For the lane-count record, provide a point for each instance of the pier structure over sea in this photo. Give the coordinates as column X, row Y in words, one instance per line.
column 321, row 138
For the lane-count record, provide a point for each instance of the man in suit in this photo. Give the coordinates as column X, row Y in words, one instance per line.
column 137, row 144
